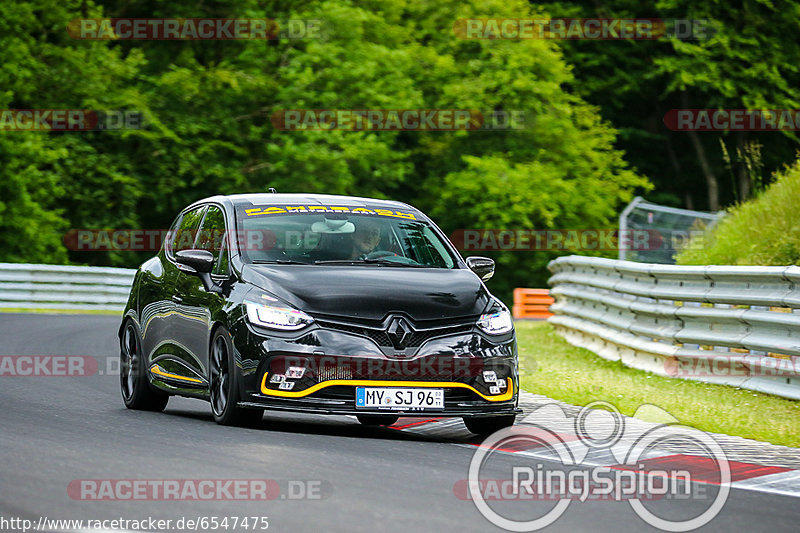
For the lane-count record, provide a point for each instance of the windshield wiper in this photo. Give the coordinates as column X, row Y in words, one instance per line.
column 386, row 262
column 278, row 262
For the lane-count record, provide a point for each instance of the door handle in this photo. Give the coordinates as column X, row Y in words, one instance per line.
column 177, row 299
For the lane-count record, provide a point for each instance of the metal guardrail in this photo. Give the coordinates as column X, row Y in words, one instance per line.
column 733, row 325
column 24, row 285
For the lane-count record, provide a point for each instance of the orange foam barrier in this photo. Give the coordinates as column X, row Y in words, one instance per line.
column 532, row 303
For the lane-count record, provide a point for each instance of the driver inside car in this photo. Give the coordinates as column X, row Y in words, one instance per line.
column 366, row 237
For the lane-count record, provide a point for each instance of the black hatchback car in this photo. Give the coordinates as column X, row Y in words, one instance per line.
column 318, row 304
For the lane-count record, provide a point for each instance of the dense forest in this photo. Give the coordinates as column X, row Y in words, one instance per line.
column 594, row 135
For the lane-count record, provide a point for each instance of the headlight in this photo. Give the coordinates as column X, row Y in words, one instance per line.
column 497, row 322
column 276, row 317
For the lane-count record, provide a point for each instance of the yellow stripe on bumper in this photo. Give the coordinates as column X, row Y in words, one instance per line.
column 157, row 370
column 380, row 383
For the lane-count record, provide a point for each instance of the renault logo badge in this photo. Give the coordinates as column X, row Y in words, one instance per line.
column 399, row 332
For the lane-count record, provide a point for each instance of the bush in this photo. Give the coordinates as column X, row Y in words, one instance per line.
column 762, row 231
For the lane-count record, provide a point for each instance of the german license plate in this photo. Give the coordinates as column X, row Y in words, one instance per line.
column 399, row 398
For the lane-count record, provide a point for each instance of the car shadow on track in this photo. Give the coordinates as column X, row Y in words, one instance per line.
column 329, row 425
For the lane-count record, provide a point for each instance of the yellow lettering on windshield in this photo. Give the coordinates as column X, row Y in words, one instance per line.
column 274, row 210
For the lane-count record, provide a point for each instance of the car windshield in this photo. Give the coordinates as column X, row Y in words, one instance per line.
column 271, row 234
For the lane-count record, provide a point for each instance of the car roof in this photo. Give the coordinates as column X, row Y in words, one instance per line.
column 302, row 198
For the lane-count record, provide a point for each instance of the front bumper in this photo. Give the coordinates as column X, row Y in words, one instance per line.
column 478, row 374
column 338, row 397
column 329, row 410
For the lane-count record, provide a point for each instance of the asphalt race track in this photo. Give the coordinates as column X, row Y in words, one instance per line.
column 55, row 430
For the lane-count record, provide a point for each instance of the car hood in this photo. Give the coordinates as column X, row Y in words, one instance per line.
column 372, row 292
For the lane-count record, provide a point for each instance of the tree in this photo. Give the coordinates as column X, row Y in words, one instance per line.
column 747, row 61
column 208, row 105
column 53, row 181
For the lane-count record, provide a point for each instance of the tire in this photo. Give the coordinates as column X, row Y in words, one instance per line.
column 137, row 392
column 377, row 420
column 223, row 384
column 486, row 425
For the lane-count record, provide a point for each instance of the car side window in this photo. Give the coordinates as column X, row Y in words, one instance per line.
column 442, row 256
column 212, row 232
column 211, row 237
column 221, row 268
column 184, row 236
column 170, row 238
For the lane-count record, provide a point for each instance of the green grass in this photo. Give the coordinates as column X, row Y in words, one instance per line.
column 762, row 231
column 59, row 311
column 551, row 366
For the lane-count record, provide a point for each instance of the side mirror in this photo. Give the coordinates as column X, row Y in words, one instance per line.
column 482, row 266
column 202, row 261
column 199, row 263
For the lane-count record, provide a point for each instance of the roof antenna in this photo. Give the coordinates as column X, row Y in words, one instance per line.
column 272, row 190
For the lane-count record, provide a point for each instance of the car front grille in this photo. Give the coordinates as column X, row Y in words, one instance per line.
column 331, row 372
column 379, row 336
